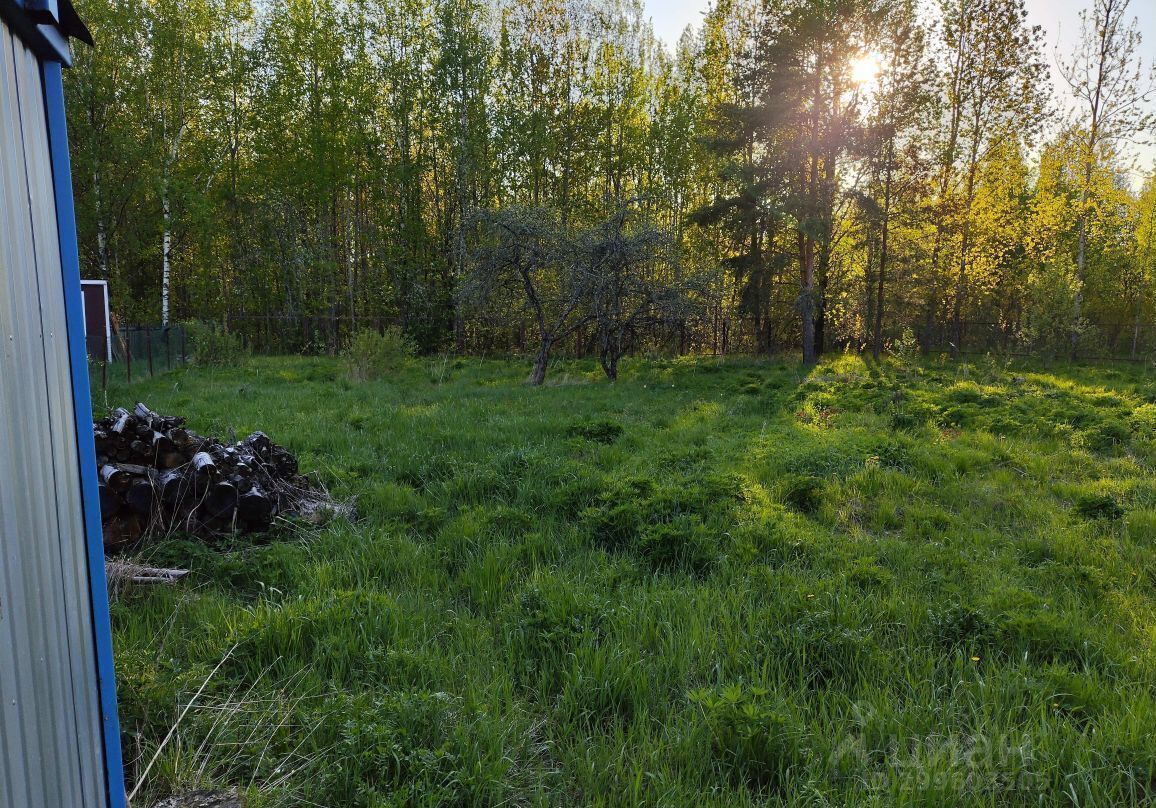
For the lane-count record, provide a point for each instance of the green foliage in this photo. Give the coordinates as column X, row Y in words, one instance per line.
column 1050, row 323
column 210, row 345
column 1099, row 506
column 603, row 431
column 669, row 523
column 372, row 355
column 337, row 185
column 684, row 544
column 1106, row 435
column 752, row 735
column 906, row 349
column 803, row 492
column 1142, row 527
column 534, row 609
column 1143, row 420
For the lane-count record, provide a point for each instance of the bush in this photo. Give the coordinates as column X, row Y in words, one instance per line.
column 906, row 349
column 212, row 346
column 1050, row 322
column 372, row 355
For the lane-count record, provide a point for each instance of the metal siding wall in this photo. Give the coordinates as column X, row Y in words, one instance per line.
column 82, row 412
column 50, row 748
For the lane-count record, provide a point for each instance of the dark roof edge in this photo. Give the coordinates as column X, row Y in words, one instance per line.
column 48, row 40
column 72, row 26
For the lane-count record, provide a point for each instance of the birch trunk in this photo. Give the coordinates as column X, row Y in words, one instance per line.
column 167, row 239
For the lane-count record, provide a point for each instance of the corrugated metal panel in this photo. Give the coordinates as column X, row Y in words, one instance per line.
column 50, row 747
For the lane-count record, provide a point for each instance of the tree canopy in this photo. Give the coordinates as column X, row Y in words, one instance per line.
column 831, row 173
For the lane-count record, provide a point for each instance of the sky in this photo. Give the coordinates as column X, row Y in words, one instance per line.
column 1060, row 19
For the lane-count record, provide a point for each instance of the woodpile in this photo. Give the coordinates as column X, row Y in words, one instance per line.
column 157, row 477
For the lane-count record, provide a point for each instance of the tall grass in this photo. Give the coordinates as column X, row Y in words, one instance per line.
column 713, row 583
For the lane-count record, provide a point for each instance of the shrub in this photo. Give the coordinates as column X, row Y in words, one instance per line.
column 1050, row 325
column 905, row 349
column 371, row 355
column 212, row 346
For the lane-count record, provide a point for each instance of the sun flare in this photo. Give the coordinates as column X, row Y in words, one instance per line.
column 866, row 68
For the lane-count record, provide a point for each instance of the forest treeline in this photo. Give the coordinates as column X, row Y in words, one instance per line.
column 811, row 174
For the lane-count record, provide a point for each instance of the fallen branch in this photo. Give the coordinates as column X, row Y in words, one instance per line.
column 118, row 574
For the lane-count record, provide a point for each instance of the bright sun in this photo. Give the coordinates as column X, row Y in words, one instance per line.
column 866, row 68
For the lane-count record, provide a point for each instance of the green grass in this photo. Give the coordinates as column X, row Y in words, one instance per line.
column 711, row 584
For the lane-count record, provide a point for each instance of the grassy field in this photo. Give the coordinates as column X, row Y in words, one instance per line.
column 712, row 584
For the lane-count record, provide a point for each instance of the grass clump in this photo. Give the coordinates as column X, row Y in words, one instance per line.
column 1099, row 506
column 684, row 544
column 602, row 431
column 672, row 526
column 754, row 740
column 803, row 492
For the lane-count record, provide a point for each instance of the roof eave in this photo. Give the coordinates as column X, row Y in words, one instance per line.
column 46, row 26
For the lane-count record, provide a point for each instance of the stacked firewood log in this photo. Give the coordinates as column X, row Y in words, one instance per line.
column 157, row 477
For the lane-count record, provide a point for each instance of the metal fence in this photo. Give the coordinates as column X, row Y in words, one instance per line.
column 302, row 334
column 1123, row 342
column 141, row 351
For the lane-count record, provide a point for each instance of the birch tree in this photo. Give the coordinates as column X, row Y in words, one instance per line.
column 996, row 96
column 1112, row 89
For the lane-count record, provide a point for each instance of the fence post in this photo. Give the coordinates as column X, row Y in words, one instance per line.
column 184, row 348
column 168, row 349
column 149, row 340
column 128, row 354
